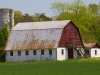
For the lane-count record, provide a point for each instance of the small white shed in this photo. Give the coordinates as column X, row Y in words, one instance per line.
column 93, row 49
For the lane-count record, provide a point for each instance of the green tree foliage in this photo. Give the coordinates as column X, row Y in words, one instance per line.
column 19, row 17
column 3, row 39
column 40, row 17
column 87, row 18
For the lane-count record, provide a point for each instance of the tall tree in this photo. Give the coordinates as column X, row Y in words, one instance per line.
column 18, row 16
column 59, row 7
column 4, row 33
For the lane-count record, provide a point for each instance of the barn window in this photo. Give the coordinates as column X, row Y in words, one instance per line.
column 50, row 51
column 34, row 52
column 62, row 51
column 75, row 33
column 95, row 52
column 19, row 53
column 42, row 52
column 27, row 53
column 11, row 53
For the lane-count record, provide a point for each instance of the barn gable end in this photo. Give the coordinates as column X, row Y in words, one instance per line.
column 70, row 36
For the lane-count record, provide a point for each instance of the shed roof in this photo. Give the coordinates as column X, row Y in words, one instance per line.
column 36, row 35
column 89, row 45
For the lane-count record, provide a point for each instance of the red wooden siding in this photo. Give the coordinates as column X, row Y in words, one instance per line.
column 70, row 36
column 96, row 46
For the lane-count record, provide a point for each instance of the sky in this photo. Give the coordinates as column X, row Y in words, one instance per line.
column 36, row 6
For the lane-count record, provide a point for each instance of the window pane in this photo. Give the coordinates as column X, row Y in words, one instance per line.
column 42, row 52
column 62, row 51
column 27, row 53
column 34, row 52
column 11, row 53
column 50, row 51
column 19, row 53
column 95, row 52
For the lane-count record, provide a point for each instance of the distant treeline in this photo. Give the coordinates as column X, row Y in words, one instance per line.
column 19, row 17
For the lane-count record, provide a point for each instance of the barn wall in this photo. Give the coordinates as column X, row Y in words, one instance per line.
column 75, row 53
column 61, row 56
column 64, row 56
column 31, row 57
column 92, row 52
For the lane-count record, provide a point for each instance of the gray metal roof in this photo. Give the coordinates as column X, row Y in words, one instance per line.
column 33, row 39
column 27, row 37
column 41, row 25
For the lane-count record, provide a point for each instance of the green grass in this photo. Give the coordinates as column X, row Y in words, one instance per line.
column 68, row 67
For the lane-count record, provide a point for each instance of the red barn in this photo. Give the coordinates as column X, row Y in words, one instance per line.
column 49, row 40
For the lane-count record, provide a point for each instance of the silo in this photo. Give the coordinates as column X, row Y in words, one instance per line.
column 6, row 16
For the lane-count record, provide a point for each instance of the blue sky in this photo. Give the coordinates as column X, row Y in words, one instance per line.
column 35, row 6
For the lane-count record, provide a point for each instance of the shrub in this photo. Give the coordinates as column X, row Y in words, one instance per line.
column 4, row 33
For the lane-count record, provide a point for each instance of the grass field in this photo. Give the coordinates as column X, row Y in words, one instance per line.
column 68, row 67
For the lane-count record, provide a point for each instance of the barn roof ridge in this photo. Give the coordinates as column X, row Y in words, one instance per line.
column 41, row 25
